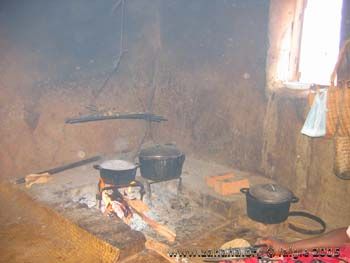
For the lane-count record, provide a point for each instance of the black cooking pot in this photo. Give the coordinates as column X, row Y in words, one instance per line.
column 161, row 162
column 117, row 172
column 268, row 203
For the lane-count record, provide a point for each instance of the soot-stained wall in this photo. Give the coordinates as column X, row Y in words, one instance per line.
column 206, row 60
column 54, row 55
column 212, row 78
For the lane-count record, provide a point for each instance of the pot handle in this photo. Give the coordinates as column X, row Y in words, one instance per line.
column 244, row 190
column 97, row 167
column 294, row 199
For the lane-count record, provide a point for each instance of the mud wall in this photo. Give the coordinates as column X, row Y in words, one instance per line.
column 303, row 164
column 205, row 59
column 211, row 80
column 53, row 58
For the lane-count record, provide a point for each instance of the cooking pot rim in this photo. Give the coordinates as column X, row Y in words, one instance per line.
column 160, row 152
column 269, row 202
column 160, row 157
column 102, row 166
column 286, row 199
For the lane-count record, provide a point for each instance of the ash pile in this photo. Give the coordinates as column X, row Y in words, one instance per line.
column 156, row 216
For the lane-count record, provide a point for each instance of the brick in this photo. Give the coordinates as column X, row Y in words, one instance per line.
column 230, row 186
column 211, row 180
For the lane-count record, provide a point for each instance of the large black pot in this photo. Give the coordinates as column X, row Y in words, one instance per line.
column 117, row 172
column 161, row 162
column 268, row 203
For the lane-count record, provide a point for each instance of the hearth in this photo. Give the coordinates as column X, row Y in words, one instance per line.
column 102, row 186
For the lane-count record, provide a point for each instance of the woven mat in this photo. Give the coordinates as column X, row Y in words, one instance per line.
column 31, row 232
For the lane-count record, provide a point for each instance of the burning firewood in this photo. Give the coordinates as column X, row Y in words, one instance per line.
column 115, row 204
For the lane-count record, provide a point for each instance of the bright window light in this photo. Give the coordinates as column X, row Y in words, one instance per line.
column 320, row 40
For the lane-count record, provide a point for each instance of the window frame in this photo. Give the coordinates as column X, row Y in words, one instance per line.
column 283, row 22
column 295, row 49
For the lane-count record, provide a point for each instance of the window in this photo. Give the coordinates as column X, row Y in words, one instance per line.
column 310, row 48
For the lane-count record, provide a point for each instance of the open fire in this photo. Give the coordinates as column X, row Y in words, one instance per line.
column 126, row 203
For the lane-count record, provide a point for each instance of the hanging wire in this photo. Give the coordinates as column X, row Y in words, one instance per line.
column 122, row 50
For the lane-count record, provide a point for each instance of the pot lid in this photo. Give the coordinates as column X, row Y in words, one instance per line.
column 160, row 151
column 271, row 193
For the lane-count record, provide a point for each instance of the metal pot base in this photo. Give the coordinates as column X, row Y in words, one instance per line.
column 267, row 213
column 161, row 170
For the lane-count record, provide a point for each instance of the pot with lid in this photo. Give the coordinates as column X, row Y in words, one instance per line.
column 268, row 203
column 161, row 162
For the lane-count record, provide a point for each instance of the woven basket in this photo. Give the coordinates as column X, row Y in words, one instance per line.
column 343, row 108
column 342, row 138
column 342, row 157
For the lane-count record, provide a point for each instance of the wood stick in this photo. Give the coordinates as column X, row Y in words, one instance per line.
column 132, row 116
column 161, row 229
column 139, row 205
column 37, row 179
column 60, row 168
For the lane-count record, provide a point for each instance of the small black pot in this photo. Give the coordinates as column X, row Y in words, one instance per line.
column 116, row 176
column 271, row 212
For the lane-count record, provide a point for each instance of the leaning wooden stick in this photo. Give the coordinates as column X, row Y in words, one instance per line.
column 34, row 178
column 31, row 179
column 161, row 229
